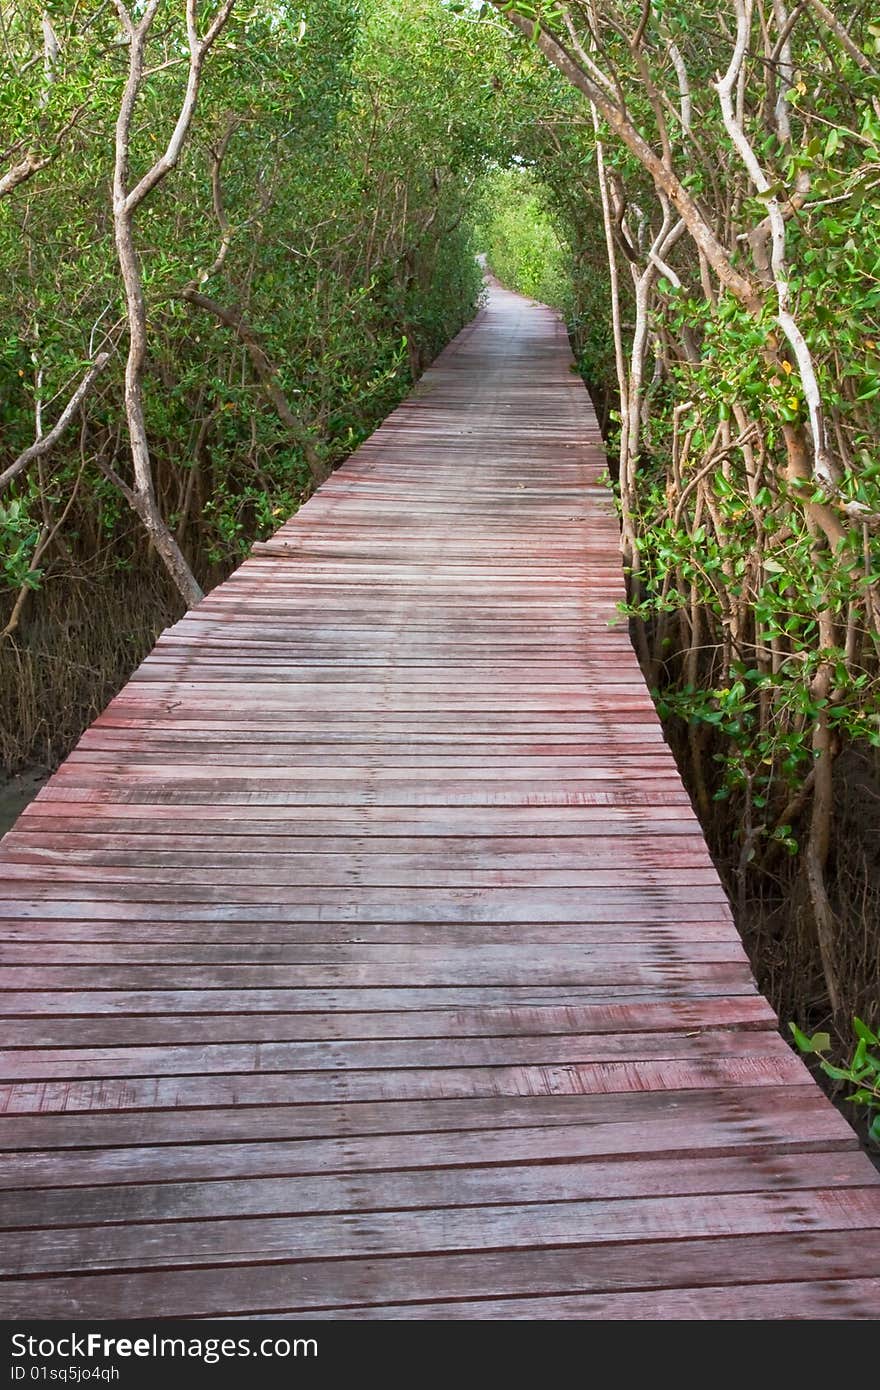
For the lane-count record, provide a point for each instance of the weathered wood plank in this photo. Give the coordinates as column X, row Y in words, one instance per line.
column 431, row 1186
column 451, row 1050
column 291, row 1286
column 719, row 1125
column 498, row 960
column 162, row 928
column 404, row 1084
column 177, row 1244
column 830, row 1298
column 88, row 1029
column 738, row 1104
column 44, row 1002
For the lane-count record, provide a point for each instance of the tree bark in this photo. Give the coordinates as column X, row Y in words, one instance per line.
column 142, row 496
column 21, row 172
column 819, row 839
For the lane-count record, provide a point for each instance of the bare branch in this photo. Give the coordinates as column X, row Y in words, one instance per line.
column 142, row 496
column 786, row 72
column 199, row 49
column 643, row 24
column 43, row 445
column 584, row 58
column 823, row 468
column 840, row 32
column 22, row 171
column 50, row 56
column 684, row 88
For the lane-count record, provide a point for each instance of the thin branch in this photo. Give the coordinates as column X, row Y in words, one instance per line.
column 22, row 171
column 43, row 445
column 830, row 20
column 643, row 24
column 684, row 88
column 823, row 469
column 198, row 49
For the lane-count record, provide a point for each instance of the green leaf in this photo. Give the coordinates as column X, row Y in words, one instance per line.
column 836, row 1073
column 862, row 1031
column 819, row 1042
column 862, row 1097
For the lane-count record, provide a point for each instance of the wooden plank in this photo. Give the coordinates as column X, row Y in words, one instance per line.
column 283, row 864
column 417, row 1083
column 717, row 1126
column 60, row 1030
column 451, row 1050
column 626, row 820
column 107, row 1001
column 298, row 1287
column 177, row 1244
column 447, row 973
column 193, row 903
column 162, row 928
column 729, row 1106
column 331, row 874
column 830, row 1298
column 429, row 1187
column 495, row 960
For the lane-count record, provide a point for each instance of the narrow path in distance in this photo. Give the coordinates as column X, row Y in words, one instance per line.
column 366, row 960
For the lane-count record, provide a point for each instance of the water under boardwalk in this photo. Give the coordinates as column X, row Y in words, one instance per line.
column 366, row 958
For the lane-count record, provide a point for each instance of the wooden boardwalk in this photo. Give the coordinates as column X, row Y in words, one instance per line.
column 365, row 960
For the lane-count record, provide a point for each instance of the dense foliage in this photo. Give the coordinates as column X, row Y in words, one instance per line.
column 517, row 233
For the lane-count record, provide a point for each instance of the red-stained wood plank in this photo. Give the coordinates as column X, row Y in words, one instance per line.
column 360, row 978
column 739, row 1105
column 366, row 959
column 428, row 1187
column 105, row 898
column 109, row 1002
column 827, row 1299
column 375, row 1055
column 712, row 1124
column 245, row 1240
column 749, row 1068
column 60, row 1030
column 556, row 960
column 36, row 933
column 292, row 1286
